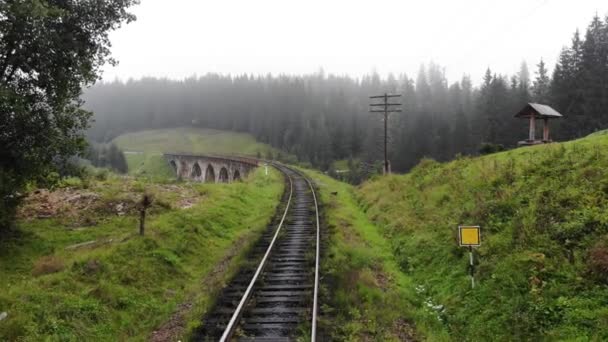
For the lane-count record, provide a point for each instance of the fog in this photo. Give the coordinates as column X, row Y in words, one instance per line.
column 464, row 69
column 179, row 38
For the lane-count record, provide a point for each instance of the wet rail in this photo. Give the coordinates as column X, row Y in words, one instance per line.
column 274, row 298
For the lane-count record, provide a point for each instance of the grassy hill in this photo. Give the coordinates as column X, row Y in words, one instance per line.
column 145, row 148
column 192, row 140
column 542, row 268
column 77, row 270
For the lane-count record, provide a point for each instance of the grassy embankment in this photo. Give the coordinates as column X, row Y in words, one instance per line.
column 119, row 285
column 149, row 146
column 364, row 294
column 542, row 269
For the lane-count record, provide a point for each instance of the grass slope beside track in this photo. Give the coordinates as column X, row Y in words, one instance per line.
column 364, row 294
column 542, row 268
column 123, row 286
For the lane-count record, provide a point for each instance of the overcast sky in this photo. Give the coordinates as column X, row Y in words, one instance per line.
column 179, row 38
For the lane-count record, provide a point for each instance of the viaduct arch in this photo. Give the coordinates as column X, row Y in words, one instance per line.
column 210, row 169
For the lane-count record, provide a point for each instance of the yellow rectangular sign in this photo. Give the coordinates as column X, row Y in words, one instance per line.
column 469, row 235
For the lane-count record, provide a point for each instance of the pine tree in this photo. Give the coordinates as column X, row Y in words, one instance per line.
column 595, row 74
column 355, row 138
column 523, row 88
column 484, row 125
column 562, row 77
column 540, row 88
column 117, row 159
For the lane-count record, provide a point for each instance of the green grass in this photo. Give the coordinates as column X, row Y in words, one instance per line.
column 542, row 268
column 149, row 165
column 150, row 145
column 340, row 164
column 365, row 295
column 127, row 285
column 192, row 140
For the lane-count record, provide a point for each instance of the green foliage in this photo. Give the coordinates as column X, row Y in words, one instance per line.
column 107, row 155
column 149, row 165
column 41, row 77
column 9, row 197
column 578, row 88
column 74, row 182
column 540, row 271
column 353, row 171
column 489, row 148
column 101, row 174
column 540, row 87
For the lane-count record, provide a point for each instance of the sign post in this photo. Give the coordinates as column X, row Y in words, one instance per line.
column 470, row 236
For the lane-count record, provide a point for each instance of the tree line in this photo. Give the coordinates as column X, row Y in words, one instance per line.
column 107, row 156
column 323, row 118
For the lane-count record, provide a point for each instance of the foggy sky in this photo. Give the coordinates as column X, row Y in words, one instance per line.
column 178, row 38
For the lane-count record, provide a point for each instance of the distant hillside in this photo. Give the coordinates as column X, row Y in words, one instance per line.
column 192, row 140
column 144, row 149
column 542, row 268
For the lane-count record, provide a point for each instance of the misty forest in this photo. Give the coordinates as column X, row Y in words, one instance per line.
column 291, row 205
column 322, row 118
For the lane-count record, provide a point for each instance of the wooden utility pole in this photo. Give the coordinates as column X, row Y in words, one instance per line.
column 387, row 108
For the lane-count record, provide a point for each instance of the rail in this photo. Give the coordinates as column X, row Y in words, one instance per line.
column 237, row 315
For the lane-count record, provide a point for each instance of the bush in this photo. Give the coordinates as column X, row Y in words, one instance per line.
column 72, row 182
column 9, row 198
column 102, row 174
column 597, row 261
column 489, row 148
column 107, row 155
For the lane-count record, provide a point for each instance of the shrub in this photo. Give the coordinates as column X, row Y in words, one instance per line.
column 597, row 261
column 9, row 199
column 107, row 156
column 73, row 182
column 102, row 174
column 489, row 148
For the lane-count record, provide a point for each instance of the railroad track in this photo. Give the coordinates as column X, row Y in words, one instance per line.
column 275, row 297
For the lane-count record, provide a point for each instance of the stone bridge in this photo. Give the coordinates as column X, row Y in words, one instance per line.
column 210, row 169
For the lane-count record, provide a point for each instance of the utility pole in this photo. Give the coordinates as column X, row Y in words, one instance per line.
column 387, row 108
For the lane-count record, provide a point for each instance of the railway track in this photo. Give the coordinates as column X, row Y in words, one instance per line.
column 274, row 298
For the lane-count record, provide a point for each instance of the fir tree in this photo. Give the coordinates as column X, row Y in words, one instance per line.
column 523, row 88
column 540, row 88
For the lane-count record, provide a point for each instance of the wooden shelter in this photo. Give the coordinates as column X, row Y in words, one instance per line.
column 533, row 112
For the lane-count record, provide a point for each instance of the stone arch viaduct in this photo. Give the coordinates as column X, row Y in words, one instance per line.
column 210, row 169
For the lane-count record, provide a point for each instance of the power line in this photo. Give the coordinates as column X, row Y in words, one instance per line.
column 386, row 108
